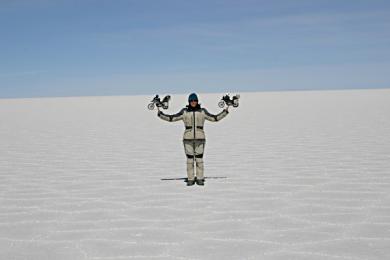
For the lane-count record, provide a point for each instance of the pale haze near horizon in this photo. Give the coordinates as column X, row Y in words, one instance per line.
column 78, row 48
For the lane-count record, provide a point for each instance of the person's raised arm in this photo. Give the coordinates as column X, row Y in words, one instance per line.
column 171, row 118
column 215, row 118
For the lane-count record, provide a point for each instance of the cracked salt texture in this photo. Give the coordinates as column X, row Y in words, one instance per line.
column 307, row 177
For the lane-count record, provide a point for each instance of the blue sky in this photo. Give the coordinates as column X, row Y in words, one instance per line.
column 102, row 47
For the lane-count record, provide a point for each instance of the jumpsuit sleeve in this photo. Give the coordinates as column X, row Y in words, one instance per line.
column 171, row 118
column 215, row 118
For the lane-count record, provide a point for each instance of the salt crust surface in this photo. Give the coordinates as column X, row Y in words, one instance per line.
column 307, row 177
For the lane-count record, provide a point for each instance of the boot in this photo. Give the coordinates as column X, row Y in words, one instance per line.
column 200, row 182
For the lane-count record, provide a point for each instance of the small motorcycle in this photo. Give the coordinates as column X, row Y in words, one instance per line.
column 226, row 100
column 156, row 101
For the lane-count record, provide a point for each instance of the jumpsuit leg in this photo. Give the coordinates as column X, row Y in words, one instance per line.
column 199, row 150
column 190, row 169
column 189, row 150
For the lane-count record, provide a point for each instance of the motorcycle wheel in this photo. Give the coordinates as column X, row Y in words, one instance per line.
column 221, row 104
column 151, row 106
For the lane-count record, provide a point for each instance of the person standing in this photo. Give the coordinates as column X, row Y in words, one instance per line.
column 194, row 139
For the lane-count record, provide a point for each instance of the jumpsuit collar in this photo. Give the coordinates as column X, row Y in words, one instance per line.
column 190, row 108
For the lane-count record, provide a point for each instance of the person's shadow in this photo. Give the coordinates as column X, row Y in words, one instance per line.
column 186, row 179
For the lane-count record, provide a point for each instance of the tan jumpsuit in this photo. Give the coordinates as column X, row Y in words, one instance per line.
column 194, row 138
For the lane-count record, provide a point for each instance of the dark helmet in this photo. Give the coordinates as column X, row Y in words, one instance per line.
column 192, row 97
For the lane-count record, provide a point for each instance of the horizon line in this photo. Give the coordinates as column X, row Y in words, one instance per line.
column 200, row 92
